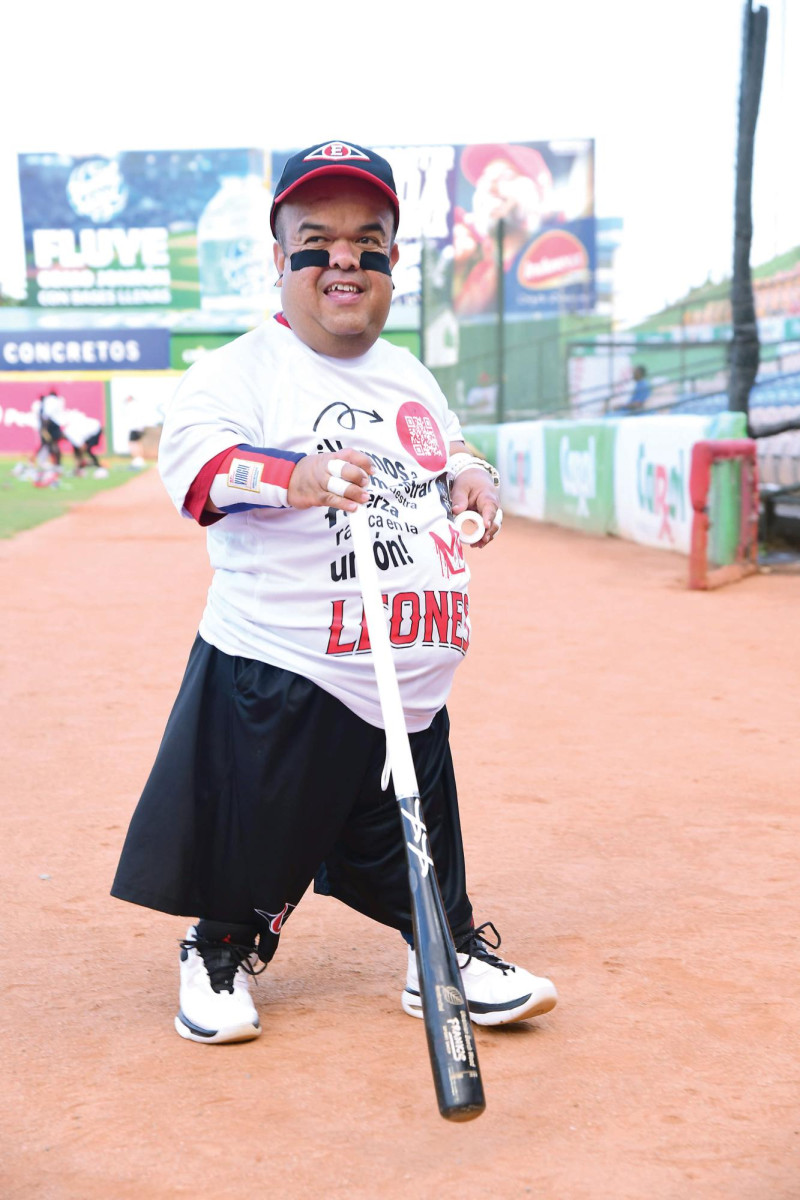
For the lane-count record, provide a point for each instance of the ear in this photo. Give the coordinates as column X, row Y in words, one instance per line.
column 279, row 257
column 394, row 254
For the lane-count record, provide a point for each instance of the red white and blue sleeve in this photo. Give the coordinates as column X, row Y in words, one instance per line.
column 239, row 479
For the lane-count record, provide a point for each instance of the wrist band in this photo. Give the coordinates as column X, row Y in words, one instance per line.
column 465, row 462
column 251, row 477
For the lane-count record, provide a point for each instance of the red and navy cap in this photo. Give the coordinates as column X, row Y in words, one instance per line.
column 335, row 158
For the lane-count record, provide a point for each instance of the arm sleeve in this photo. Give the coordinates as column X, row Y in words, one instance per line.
column 239, row 479
column 217, row 406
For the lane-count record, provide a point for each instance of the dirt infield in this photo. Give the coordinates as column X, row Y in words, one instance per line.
column 629, row 767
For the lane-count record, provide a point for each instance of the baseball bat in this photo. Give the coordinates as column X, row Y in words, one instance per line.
column 451, row 1045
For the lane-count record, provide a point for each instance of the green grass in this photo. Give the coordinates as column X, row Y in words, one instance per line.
column 22, row 505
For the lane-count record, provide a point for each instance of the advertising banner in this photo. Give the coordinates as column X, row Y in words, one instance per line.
column 652, row 464
column 146, row 229
column 543, row 192
column 579, row 470
column 77, row 350
column 19, row 409
column 521, row 463
column 653, row 460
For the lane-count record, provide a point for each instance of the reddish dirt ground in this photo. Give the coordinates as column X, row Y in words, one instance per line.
column 629, row 766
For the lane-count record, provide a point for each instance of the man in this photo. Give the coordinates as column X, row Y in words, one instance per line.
column 50, row 408
column 270, row 772
column 83, row 434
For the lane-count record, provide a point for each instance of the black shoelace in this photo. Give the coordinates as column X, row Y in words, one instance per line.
column 476, row 945
column 222, row 960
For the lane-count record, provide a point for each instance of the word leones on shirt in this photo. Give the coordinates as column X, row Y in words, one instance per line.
column 429, row 618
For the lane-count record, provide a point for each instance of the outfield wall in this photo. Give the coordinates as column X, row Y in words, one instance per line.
column 627, row 476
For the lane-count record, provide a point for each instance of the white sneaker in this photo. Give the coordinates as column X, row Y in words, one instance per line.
column 497, row 992
column 215, row 1000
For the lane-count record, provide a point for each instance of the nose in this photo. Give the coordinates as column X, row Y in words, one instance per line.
column 344, row 255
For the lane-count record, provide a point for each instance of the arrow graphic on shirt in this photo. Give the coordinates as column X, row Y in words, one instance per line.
column 347, row 418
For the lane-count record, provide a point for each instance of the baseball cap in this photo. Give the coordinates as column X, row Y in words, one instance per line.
column 335, row 158
column 525, row 159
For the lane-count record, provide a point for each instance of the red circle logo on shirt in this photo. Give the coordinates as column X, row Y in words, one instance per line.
column 421, row 437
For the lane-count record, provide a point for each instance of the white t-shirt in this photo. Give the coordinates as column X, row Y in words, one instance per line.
column 77, row 427
column 285, row 589
column 51, row 407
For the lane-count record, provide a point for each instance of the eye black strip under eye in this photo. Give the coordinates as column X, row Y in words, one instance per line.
column 310, row 258
column 371, row 260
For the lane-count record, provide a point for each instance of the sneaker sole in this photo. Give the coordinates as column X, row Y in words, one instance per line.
column 215, row 1037
column 531, row 1007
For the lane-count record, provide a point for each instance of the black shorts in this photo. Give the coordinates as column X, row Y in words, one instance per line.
column 264, row 782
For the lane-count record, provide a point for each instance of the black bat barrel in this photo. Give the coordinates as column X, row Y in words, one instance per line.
column 451, row 1045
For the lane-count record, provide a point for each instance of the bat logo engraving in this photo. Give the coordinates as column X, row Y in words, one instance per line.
column 419, row 832
column 454, row 1040
column 452, row 995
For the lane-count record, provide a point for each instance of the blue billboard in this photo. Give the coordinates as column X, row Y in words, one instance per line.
column 158, row 229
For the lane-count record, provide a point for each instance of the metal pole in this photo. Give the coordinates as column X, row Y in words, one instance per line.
column 501, row 321
column 745, row 345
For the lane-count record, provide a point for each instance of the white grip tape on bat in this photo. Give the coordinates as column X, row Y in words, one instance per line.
column 475, row 528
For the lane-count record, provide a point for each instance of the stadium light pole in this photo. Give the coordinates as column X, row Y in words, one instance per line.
column 745, row 345
column 500, row 406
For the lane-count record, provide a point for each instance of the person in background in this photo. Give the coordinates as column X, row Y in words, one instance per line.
column 641, row 391
column 50, row 409
column 136, row 427
column 83, row 434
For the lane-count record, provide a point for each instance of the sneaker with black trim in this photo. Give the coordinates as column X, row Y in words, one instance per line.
column 215, row 1000
column 497, row 992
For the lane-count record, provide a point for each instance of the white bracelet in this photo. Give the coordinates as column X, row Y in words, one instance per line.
column 457, row 463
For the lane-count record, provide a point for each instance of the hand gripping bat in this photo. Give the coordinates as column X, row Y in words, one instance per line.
column 454, row 1059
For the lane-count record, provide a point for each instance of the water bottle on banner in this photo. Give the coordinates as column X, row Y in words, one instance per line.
column 234, row 246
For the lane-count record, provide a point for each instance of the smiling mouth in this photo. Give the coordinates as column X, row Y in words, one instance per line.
column 342, row 288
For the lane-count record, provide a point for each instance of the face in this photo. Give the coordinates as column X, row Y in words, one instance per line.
column 337, row 310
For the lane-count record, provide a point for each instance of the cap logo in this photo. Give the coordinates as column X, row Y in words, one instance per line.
column 336, row 150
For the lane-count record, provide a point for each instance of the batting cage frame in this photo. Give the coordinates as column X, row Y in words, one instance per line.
column 704, row 456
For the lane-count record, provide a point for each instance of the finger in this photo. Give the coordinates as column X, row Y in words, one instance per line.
column 344, row 489
column 354, row 458
column 493, row 519
column 336, row 484
column 350, row 472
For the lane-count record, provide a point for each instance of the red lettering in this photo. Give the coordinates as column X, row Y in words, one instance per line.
column 363, row 641
column 399, row 614
column 465, row 624
column 335, row 643
column 458, row 608
column 436, row 611
column 451, row 555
